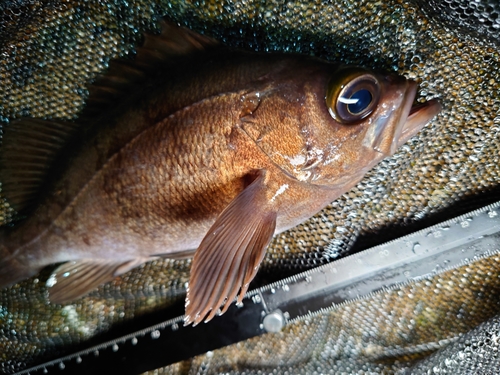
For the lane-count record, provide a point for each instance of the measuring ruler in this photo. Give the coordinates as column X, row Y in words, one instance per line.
column 417, row 256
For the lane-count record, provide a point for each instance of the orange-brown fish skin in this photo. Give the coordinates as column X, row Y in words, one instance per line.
column 162, row 189
column 153, row 174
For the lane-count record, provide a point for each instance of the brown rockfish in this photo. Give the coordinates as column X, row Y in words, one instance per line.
column 194, row 149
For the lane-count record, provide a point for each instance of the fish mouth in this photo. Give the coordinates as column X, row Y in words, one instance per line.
column 415, row 115
column 404, row 118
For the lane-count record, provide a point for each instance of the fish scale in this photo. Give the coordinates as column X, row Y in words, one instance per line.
column 284, row 144
column 425, row 193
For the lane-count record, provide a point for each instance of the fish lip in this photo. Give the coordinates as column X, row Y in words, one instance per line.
column 420, row 115
column 388, row 125
column 406, row 108
column 409, row 118
column 414, row 116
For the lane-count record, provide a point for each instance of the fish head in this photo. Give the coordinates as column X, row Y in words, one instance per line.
column 372, row 115
column 339, row 122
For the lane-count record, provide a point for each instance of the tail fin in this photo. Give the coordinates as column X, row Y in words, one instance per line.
column 11, row 269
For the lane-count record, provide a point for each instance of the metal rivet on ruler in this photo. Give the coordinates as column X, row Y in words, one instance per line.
column 274, row 322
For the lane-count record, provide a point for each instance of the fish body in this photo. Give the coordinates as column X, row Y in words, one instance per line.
column 211, row 155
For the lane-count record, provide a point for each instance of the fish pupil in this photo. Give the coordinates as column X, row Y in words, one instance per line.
column 363, row 99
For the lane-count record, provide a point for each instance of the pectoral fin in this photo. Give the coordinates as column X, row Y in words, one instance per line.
column 229, row 256
column 74, row 279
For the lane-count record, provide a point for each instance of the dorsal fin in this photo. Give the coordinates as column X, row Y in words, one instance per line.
column 28, row 150
column 123, row 76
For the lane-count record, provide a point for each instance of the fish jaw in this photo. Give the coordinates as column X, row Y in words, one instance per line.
column 406, row 105
column 386, row 126
column 404, row 118
column 420, row 115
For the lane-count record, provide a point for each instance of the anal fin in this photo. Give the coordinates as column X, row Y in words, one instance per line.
column 74, row 279
column 229, row 256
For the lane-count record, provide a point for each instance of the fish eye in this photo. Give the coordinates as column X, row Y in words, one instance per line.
column 358, row 102
column 354, row 97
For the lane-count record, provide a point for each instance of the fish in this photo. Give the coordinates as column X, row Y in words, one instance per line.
column 193, row 150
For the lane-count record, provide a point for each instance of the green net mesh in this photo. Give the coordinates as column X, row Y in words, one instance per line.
column 51, row 50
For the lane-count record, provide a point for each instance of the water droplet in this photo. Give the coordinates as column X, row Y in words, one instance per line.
column 115, row 348
column 449, row 362
column 134, row 341
column 250, row 102
column 51, row 281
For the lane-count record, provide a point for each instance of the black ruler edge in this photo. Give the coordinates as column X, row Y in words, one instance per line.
column 160, row 345
column 169, row 342
column 422, row 254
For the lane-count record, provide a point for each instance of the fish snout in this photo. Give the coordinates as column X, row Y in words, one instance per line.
column 399, row 118
column 405, row 110
column 387, row 121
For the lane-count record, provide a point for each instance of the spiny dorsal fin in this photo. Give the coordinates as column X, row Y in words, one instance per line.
column 123, row 76
column 28, row 150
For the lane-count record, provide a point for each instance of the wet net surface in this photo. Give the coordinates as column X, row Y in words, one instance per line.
column 51, row 51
